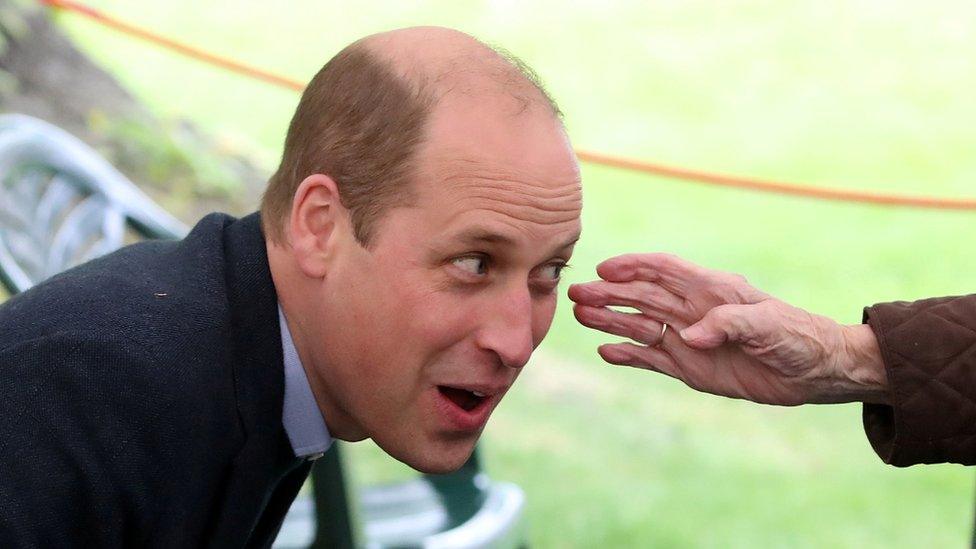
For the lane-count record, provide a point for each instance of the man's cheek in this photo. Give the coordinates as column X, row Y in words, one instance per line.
column 543, row 315
column 440, row 330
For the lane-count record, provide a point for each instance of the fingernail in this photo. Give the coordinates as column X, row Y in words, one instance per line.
column 690, row 333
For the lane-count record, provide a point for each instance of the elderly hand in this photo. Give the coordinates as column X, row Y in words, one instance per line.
column 734, row 341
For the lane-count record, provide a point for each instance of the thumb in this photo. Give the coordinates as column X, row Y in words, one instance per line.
column 725, row 323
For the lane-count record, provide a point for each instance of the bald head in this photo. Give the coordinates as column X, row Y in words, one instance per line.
column 442, row 61
column 362, row 118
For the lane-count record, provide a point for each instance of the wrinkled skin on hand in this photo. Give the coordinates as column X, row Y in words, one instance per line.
column 734, row 341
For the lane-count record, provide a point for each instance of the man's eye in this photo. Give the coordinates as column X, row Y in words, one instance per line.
column 476, row 265
column 553, row 271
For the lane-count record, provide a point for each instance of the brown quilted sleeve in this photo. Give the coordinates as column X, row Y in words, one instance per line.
column 929, row 351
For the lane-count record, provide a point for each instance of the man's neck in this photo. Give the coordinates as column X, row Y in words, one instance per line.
column 294, row 290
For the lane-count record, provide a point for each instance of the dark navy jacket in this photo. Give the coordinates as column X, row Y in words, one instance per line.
column 141, row 398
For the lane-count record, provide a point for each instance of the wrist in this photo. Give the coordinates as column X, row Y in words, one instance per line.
column 861, row 366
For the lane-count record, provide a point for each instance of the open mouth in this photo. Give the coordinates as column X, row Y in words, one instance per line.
column 464, row 399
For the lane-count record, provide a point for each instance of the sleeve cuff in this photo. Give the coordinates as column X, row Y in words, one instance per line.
column 931, row 417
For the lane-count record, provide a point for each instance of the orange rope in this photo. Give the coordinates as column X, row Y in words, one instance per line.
column 586, row 156
column 777, row 186
column 184, row 49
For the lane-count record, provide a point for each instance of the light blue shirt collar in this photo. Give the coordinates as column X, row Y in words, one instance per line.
column 303, row 421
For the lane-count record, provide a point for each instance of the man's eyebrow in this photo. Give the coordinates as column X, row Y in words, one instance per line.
column 570, row 242
column 487, row 236
column 483, row 236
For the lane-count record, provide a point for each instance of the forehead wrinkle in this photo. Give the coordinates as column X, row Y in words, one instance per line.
column 469, row 171
column 524, row 197
column 528, row 222
column 523, row 188
column 523, row 216
column 564, row 197
column 544, row 207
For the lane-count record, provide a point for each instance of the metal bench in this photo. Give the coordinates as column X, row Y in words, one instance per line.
column 62, row 204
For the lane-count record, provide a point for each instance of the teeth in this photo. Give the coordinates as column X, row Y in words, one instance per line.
column 477, row 394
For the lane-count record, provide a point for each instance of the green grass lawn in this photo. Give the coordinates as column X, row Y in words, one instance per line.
column 853, row 94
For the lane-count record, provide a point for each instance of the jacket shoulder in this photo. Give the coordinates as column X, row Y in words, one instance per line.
column 150, row 292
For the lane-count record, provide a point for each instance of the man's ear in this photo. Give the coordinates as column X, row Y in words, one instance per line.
column 316, row 214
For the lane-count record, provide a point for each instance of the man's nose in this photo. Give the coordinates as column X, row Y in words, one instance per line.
column 507, row 330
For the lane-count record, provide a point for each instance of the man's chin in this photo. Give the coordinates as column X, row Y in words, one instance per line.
column 438, row 467
column 435, row 458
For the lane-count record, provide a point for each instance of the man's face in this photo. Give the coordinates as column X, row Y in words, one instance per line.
column 427, row 329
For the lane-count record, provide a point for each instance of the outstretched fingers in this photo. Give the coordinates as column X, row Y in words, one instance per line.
column 647, row 297
column 635, row 326
column 672, row 272
column 640, row 356
column 686, row 280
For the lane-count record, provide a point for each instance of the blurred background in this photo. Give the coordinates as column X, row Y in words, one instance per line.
column 853, row 94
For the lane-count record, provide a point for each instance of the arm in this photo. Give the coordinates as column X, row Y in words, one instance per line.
column 912, row 364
